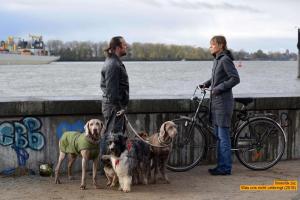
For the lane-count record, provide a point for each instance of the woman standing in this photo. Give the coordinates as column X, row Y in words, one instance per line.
column 224, row 78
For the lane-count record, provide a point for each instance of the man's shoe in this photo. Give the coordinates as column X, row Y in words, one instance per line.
column 218, row 172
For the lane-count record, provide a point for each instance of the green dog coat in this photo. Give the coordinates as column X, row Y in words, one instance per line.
column 74, row 142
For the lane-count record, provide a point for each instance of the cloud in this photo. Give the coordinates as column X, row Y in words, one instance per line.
column 153, row 3
column 191, row 22
column 196, row 5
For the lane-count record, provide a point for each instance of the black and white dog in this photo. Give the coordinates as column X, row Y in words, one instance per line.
column 119, row 160
column 128, row 157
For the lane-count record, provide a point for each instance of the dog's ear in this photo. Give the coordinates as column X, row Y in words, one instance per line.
column 86, row 128
column 103, row 130
column 101, row 124
column 162, row 130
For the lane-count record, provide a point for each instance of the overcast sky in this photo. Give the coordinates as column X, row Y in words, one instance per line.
column 270, row 25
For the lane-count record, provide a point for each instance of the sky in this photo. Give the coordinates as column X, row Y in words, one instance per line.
column 250, row 25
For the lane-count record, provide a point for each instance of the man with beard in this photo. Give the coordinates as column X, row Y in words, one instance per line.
column 115, row 86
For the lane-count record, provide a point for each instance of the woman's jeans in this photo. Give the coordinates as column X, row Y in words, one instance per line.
column 223, row 149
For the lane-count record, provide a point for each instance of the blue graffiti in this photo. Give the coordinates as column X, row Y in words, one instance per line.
column 35, row 138
column 78, row 126
column 22, row 155
column 23, row 134
column 6, row 133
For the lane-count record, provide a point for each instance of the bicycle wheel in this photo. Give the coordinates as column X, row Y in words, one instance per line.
column 188, row 146
column 260, row 143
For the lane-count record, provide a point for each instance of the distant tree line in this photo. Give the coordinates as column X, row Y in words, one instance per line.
column 91, row 51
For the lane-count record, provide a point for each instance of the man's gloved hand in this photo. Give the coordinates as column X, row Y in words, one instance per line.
column 120, row 112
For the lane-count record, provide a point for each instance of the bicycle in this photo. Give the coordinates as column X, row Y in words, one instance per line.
column 258, row 140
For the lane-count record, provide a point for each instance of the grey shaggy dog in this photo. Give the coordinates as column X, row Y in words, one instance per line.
column 139, row 157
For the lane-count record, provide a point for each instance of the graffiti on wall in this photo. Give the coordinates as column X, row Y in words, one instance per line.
column 22, row 134
column 78, row 126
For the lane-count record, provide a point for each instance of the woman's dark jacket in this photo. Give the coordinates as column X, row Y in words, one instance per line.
column 224, row 78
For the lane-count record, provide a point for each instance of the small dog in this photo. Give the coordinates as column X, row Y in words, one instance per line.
column 86, row 145
column 119, row 160
column 130, row 160
column 139, row 162
column 112, row 178
column 160, row 155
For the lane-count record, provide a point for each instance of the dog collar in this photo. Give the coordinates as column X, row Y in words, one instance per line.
column 164, row 143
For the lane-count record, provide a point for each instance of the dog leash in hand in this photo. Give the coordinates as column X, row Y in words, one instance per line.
column 146, row 141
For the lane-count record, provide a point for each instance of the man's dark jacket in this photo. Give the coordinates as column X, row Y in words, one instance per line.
column 114, row 82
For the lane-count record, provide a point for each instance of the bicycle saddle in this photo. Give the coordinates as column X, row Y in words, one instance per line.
column 244, row 101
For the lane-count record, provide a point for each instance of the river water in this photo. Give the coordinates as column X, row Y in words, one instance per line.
column 147, row 79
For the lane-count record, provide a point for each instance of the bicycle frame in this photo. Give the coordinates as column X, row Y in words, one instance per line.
column 242, row 118
column 196, row 119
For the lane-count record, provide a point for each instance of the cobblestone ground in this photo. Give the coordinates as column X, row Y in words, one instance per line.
column 194, row 184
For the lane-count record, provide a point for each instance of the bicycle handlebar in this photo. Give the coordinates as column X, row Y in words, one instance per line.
column 203, row 91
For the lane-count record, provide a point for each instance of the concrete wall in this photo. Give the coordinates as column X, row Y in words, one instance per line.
column 37, row 124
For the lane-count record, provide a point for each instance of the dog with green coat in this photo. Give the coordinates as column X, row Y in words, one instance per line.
column 85, row 145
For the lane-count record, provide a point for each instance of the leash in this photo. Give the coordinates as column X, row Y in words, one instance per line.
column 146, row 141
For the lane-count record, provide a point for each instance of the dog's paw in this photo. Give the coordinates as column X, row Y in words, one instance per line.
column 82, row 187
column 108, row 183
column 145, row 181
column 166, row 180
column 126, row 190
column 57, row 181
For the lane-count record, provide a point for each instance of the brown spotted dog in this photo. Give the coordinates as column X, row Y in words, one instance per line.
column 160, row 154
